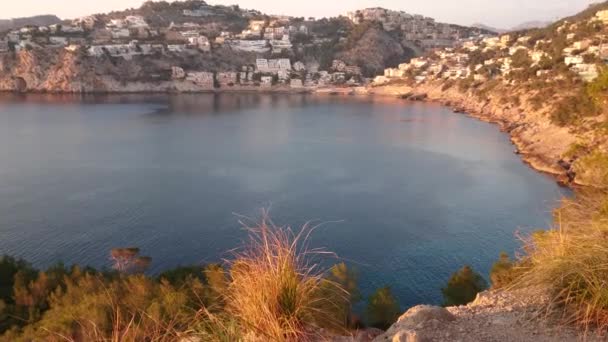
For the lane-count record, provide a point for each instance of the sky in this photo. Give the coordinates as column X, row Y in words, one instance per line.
column 497, row 13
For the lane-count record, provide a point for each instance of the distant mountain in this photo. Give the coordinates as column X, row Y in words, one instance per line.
column 523, row 26
column 489, row 28
column 39, row 20
column 530, row 25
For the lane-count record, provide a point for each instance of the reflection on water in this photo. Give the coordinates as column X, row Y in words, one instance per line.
column 412, row 191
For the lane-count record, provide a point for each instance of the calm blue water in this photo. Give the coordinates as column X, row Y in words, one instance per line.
column 410, row 192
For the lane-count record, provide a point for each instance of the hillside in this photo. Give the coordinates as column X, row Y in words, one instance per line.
column 548, row 88
column 40, row 20
column 523, row 26
column 194, row 46
column 536, row 82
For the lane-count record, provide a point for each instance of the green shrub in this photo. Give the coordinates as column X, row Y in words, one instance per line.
column 447, row 85
column 382, row 309
column 572, row 108
column 9, row 267
column 575, row 150
column 598, row 88
column 463, row 287
column 347, row 281
column 503, row 272
column 180, row 275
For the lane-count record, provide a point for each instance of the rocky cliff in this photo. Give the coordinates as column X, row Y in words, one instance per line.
column 493, row 316
column 375, row 50
column 62, row 71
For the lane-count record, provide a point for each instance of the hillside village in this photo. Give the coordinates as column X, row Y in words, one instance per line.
column 571, row 49
column 211, row 47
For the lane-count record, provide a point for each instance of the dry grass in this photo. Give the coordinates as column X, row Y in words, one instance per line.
column 277, row 290
column 571, row 261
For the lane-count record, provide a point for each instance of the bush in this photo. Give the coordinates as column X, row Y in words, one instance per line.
column 598, row 88
column 463, row 287
column 592, row 169
column 382, row 309
column 342, row 306
column 572, row 108
column 447, row 85
column 180, row 275
column 277, row 288
column 503, row 272
column 569, row 261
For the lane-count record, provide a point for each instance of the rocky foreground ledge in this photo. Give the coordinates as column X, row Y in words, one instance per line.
column 495, row 316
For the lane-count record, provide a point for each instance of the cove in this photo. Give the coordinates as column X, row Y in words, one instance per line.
column 407, row 193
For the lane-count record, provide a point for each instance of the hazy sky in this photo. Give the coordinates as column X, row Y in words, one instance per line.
column 498, row 13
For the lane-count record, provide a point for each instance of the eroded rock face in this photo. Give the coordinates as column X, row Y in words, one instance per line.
column 375, row 50
column 494, row 316
column 410, row 327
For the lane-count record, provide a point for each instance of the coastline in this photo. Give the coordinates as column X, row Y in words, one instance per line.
column 543, row 154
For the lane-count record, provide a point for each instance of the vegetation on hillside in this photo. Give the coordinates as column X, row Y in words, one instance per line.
column 274, row 288
column 463, row 287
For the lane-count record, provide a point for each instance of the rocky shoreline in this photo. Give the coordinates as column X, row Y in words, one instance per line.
column 495, row 316
column 540, row 143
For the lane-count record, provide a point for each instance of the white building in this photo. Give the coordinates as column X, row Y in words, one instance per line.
column 13, row 37
column 513, row 50
column 126, row 51
column 87, row 22
column 176, row 48
column 273, row 65
column 587, row 72
column 573, row 60
column 71, row 29
column 228, row 78
column 135, row 21
column 257, row 25
column 72, row 48
column 201, row 12
column 266, row 81
column 201, row 78
column 60, row 41
column 257, row 46
column 95, row 51
column 120, row 33
column 537, row 56
column 201, row 42
column 581, row 45
column 602, row 16
column 299, row 66
column 279, row 45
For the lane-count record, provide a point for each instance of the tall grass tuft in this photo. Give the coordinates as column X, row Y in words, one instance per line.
column 277, row 290
column 571, row 261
